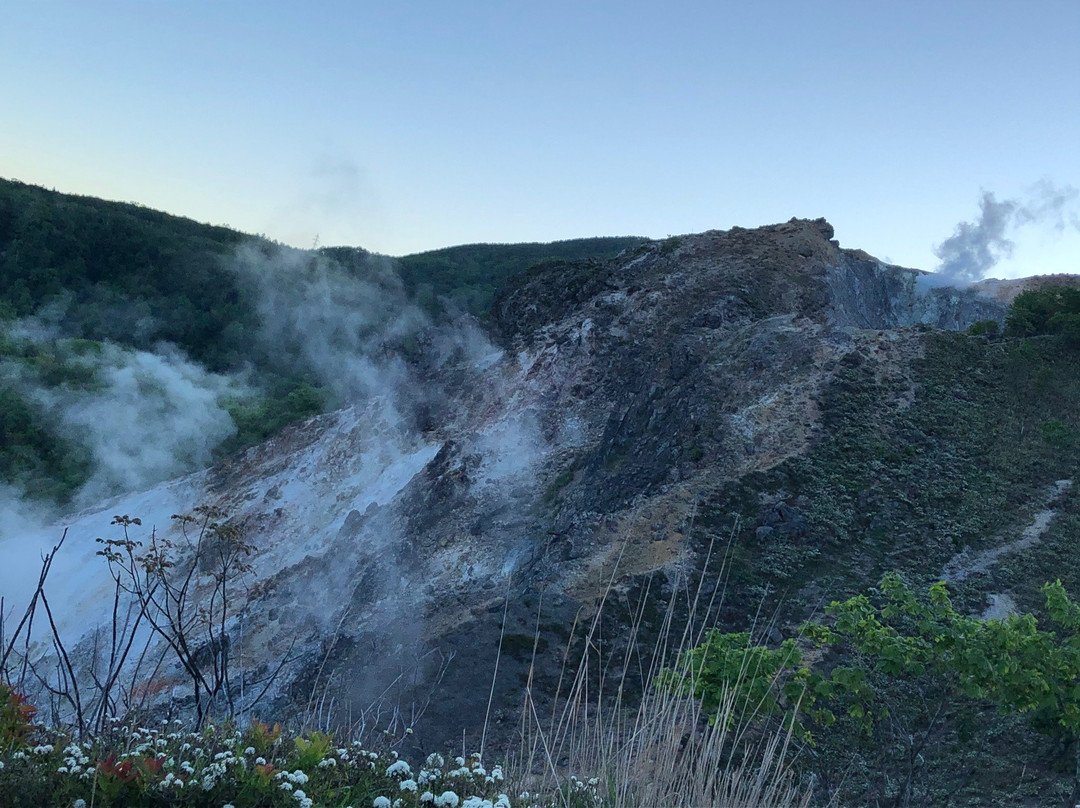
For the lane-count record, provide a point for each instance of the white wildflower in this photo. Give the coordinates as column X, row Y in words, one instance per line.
column 399, row 767
column 502, row 802
column 285, row 786
column 250, row 750
column 381, row 802
column 408, row 785
column 427, row 796
column 448, row 798
column 476, row 802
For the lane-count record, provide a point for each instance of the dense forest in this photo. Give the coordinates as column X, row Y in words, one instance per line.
column 84, row 272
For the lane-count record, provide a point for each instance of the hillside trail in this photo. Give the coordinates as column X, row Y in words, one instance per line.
column 966, row 563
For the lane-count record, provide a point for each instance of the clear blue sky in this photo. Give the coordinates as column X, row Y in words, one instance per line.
column 403, row 126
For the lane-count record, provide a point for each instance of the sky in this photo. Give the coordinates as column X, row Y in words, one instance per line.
column 407, row 126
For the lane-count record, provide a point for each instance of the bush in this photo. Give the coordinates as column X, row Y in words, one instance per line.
column 900, row 666
column 984, row 328
column 1050, row 310
column 16, row 718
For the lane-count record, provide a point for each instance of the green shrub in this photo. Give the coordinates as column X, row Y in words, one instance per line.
column 16, row 718
column 1050, row 310
column 987, row 328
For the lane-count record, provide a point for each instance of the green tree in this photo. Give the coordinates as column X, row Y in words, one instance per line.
column 901, row 669
column 1011, row 662
column 1050, row 310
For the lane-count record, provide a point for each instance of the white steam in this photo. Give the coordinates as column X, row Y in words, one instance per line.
column 316, row 317
column 415, row 388
column 157, row 416
column 143, row 417
column 975, row 247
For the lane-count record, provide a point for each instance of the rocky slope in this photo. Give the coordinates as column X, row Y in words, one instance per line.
column 395, row 543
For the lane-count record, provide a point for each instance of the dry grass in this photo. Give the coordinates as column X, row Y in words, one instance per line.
column 597, row 748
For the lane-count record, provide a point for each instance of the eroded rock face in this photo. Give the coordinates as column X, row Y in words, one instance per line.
column 869, row 294
column 393, row 554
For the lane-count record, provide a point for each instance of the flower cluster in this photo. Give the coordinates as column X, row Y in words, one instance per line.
column 216, row 767
column 468, row 785
column 232, row 767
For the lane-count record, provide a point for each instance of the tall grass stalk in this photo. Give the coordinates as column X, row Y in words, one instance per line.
column 662, row 749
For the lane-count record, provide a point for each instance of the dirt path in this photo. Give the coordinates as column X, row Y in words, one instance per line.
column 966, row 563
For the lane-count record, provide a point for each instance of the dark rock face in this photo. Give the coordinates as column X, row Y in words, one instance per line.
column 868, row 294
column 654, row 379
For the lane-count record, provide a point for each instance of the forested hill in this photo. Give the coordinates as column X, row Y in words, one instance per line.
column 87, row 272
column 121, row 263
column 118, row 265
column 472, row 273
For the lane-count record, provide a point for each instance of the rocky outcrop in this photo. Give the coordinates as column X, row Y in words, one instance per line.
column 868, row 294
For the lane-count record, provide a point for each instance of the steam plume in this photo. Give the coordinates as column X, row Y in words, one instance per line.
column 144, row 417
column 317, row 317
column 975, row 247
column 157, row 415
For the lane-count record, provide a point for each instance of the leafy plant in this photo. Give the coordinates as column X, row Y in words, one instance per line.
column 16, row 717
column 987, row 328
column 738, row 681
column 312, row 750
